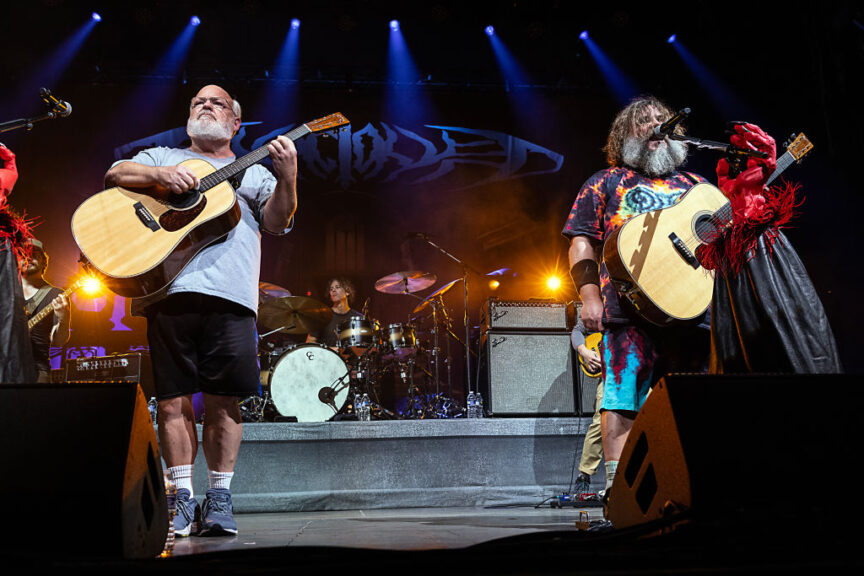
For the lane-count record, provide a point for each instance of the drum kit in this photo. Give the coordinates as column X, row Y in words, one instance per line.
column 312, row 382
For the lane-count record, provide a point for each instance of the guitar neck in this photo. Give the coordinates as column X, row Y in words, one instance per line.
column 786, row 160
column 44, row 312
column 250, row 159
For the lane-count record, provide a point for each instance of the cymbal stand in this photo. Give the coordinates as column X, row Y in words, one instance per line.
column 416, row 408
column 465, row 270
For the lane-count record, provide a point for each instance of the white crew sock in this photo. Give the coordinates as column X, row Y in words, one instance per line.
column 220, row 479
column 182, row 477
column 611, row 469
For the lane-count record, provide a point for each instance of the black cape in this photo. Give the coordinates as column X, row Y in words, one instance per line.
column 769, row 318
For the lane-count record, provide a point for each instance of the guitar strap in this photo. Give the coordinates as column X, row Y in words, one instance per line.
column 34, row 302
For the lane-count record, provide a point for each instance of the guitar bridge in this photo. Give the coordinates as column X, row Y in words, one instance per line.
column 685, row 252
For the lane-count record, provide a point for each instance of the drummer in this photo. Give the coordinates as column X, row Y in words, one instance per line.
column 341, row 293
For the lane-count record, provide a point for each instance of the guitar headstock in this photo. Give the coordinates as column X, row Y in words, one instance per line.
column 798, row 147
column 334, row 120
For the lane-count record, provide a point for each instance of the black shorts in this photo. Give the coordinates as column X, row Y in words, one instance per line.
column 201, row 343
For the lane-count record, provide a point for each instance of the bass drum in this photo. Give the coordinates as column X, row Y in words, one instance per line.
column 309, row 382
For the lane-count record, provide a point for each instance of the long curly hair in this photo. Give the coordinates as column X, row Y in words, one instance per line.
column 624, row 123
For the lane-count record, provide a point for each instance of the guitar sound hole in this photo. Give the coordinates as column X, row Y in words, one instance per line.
column 707, row 228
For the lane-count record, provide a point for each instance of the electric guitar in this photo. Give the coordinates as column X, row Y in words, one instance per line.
column 651, row 258
column 44, row 312
column 140, row 240
column 592, row 342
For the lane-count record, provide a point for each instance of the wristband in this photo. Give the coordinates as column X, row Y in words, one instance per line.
column 584, row 272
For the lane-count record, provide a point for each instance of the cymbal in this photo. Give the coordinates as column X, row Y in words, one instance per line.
column 297, row 314
column 266, row 291
column 440, row 292
column 405, row 282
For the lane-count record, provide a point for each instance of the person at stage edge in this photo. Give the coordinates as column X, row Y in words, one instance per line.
column 16, row 356
column 201, row 328
column 643, row 175
column 341, row 293
column 592, row 445
column 53, row 330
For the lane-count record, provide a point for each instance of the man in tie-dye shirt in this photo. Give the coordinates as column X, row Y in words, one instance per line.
column 643, row 176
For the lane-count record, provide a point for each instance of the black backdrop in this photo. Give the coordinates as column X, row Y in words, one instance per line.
column 792, row 69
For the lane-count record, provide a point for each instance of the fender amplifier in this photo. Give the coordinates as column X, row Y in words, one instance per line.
column 527, row 315
column 134, row 367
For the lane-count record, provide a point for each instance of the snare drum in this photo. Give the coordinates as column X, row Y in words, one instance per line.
column 398, row 342
column 360, row 334
column 309, row 382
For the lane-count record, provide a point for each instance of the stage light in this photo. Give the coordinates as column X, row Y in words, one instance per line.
column 494, row 284
column 671, row 39
column 295, row 24
column 195, row 21
column 553, row 282
column 490, row 30
column 394, row 25
column 96, row 17
column 583, row 35
column 91, row 285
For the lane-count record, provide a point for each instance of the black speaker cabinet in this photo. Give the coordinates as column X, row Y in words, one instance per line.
column 531, row 374
column 742, row 455
column 82, row 474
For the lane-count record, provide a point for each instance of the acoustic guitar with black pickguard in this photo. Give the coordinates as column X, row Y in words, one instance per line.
column 651, row 258
column 140, row 240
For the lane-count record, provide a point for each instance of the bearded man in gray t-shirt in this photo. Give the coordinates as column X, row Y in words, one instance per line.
column 201, row 327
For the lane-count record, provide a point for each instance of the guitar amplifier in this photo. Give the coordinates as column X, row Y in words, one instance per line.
column 134, row 367
column 527, row 315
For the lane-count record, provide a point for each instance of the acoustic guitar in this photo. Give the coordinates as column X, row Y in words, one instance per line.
column 140, row 240
column 651, row 258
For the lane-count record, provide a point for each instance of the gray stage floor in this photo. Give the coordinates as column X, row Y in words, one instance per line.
column 404, row 529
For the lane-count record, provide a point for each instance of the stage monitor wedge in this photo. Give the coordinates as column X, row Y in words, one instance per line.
column 744, row 455
column 83, row 475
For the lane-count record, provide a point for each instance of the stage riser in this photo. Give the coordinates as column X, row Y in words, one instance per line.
column 284, row 467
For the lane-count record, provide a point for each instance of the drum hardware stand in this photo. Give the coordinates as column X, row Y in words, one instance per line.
column 465, row 270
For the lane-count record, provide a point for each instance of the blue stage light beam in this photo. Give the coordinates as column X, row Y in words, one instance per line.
column 280, row 96
column 621, row 86
column 723, row 98
column 531, row 110
column 158, row 92
column 405, row 100
column 50, row 72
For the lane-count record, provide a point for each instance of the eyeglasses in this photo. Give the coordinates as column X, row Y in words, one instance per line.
column 219, row 103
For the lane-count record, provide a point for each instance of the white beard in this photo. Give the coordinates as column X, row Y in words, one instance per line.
column 209, row 129
column 660, row 162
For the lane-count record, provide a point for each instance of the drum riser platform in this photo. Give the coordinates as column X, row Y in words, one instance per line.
column 285, row 467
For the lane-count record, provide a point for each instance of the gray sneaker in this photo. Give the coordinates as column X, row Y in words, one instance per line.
column 217, row 514
column 187, row 517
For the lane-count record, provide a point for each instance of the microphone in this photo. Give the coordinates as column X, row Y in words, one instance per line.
column 62, row 107
column 668, row 127
column 414, row 235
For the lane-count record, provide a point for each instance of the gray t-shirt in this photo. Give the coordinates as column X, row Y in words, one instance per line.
column 228, row 269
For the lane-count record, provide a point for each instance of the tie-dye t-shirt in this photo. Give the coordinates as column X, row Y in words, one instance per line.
column 611, row 197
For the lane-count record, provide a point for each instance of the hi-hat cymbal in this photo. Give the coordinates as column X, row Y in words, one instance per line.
column 440, row 292
column 405, row 282
column 294, row 314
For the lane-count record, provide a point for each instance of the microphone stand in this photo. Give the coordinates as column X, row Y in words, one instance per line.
column 465, row 269
column 26, row 122
column 737, row 157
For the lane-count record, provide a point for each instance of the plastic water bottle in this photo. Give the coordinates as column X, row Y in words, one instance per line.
column 471, row 409
column 152, row 406
column 171, row 499
column 478, row 405
column 363, row 413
